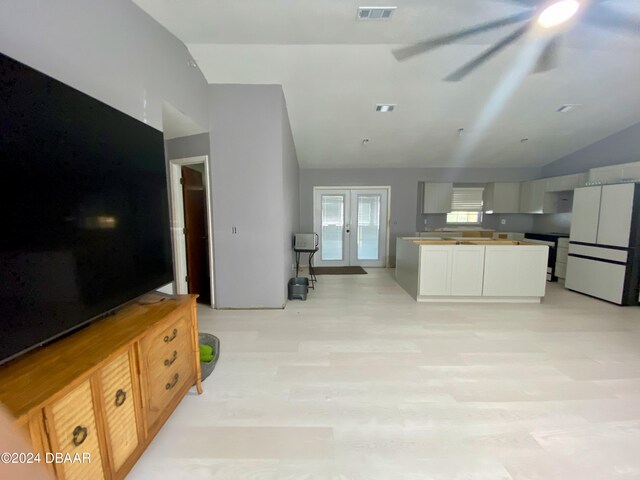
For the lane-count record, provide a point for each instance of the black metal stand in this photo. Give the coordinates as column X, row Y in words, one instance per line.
column 312, row 274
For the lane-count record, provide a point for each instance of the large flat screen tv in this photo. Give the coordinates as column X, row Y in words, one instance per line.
column 84, row 210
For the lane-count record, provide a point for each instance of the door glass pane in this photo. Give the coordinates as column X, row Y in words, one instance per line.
column 332, row 226
column 368, row 227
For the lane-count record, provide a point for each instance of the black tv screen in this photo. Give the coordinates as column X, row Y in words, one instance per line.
column 85, row 220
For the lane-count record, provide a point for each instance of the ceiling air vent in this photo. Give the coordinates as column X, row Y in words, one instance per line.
column 385, row 107
column 375, row 13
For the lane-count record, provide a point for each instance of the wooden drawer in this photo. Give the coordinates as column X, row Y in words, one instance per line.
column 163, row 341
column 169, row 362
column 72, row 425
column 120, row 411
column 164, row 387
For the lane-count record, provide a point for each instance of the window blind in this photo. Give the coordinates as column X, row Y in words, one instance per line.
column 467, row 199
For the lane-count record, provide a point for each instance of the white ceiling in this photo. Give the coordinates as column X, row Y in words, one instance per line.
column 335, row 68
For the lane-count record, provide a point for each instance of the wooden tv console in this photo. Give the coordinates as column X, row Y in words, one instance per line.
column 107, row 389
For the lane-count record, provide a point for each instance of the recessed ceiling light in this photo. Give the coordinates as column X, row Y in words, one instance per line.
column 558, row 13
column 566, row 108
column 385, row 107
column 375, row 13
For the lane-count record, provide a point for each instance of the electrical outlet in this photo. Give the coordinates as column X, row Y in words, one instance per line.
column 503, row 221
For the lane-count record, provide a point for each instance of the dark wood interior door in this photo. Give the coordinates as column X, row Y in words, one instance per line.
column 196, row 238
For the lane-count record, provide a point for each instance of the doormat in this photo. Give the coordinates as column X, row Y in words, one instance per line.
column 339, row 271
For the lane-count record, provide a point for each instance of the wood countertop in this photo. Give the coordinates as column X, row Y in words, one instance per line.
column 462, row 241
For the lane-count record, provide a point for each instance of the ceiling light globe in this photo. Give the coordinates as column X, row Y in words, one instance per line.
column 558, row 13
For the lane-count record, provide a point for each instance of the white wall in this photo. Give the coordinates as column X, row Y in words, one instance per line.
column 291, row 198
column 185, row 147
column 110, row 50
column 249, row 168
column 621, row 147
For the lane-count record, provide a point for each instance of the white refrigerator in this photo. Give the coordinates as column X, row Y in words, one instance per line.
column 604, row 256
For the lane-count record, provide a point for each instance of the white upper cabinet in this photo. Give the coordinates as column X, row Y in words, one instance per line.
column 616, row 209
column 532, row 196
column 615, row 173
column 584, row 223
column 631, row 171
column 502, row 197
column 437, row 197
column 566, row 182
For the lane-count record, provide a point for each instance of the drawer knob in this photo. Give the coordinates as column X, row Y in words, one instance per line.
column 169, row 361
column 168, row 338
column 79, row 435
column 121, row 396
column 173, row 383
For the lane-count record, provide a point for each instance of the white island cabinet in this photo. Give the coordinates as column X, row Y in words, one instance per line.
column 447, row 270
column 435, row 270
column 451, row 270
column 515, row 271
column 467, row 270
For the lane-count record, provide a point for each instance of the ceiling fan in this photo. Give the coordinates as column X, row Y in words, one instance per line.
column 547, row 18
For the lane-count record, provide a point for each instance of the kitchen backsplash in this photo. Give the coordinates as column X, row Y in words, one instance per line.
column 514, row 222
column 544, row 223
column 557, row 223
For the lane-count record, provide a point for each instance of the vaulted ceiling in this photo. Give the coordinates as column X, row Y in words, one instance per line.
column 335, row 68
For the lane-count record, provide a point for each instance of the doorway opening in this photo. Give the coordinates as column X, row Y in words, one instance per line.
column 191, row 227
column 353, row 226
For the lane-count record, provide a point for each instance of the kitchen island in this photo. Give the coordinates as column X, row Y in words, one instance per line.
column 471, row 270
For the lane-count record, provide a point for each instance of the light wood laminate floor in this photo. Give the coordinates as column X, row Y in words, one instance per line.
column 362, row 382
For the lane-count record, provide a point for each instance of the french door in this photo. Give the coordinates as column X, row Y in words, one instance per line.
column 352, row 226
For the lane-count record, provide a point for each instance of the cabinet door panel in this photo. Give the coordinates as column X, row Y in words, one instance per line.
column 437, row 197
column 435, row 270
column 515, row 271
column 532, row 196
column 531, row 270
column 499, row 276
column 586, row 208
column 526, row 192
column 502, row 197
column 73, row 431
column 616, row 208
column 467, row 270
column 510, row 198
column 120, row 409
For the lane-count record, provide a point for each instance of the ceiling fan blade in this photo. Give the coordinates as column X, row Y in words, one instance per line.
column 600, row 15
column 549, row 57
column 407, row 52
column 486, row 55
